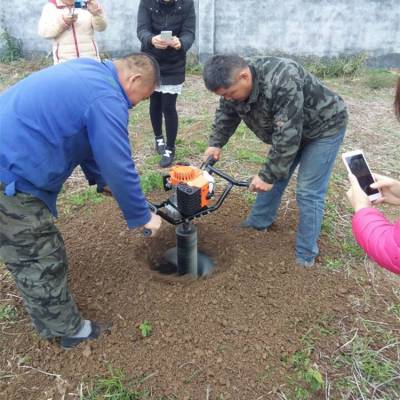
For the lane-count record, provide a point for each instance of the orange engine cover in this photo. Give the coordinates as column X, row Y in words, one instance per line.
column 192, row 176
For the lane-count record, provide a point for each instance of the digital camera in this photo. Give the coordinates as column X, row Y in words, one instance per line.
column 80, row 4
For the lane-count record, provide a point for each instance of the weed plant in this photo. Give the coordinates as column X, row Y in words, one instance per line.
column 337, row 67
column 12, row 47
column 7, row 313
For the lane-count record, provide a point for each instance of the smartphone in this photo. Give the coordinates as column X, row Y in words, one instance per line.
column 80, row 4
column 356, row 163
column 166, row 35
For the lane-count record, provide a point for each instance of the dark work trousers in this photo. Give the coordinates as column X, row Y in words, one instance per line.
column 164, row 104
column 33, row 250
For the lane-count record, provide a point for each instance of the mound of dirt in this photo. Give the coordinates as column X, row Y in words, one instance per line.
column 227, row 333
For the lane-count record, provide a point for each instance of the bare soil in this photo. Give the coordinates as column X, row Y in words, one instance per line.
column 227, row 334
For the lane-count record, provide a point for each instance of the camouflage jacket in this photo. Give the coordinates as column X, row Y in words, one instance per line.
column 287, row 107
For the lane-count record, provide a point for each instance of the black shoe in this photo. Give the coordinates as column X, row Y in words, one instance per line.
column 160, row 144
column 167, row 157
column 67, row 342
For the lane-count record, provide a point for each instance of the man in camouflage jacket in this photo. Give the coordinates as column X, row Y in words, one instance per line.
column 303, row 121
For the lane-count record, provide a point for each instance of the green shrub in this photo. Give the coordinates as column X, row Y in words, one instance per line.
column 335, row 67
column 11, row 49
column 151, row 181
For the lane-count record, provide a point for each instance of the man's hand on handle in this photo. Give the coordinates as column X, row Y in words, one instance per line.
column 215, row 152
column 258, row 185
column 152, row 227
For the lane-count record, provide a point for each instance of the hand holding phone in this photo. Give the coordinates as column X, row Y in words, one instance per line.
column 80, row 4
column 357, row 165
column 166, row 35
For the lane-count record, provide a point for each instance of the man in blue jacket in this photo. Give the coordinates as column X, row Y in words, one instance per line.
column 74, row 113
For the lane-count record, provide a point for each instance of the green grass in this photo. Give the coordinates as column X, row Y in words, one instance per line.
column 307, row 381
column 372, row 362
column 192, row 64
column 372, row 369
column 186, row 121
column 152, row 160
column 250, row 197
column 351, row 248
column 183, row 153
column 242, row 131
column 250, row 156
column 379, row 79
column 117, row 387
column 150, row 181
column 200, row 146
column 8, row 313
column 330, row 216
column 336, row 67
column 333, row 264
column 395, row 309
column 145, row 329
column 114, row 388
column 88, row 196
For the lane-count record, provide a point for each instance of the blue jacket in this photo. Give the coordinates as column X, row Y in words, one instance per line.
column 74, row 113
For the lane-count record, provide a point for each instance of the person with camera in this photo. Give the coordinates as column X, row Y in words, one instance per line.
column 47, row 129
column 303, row 121
column 71, row 25
column 166, row 30
column 379, row 237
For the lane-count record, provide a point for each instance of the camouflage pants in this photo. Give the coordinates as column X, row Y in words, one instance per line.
column 33, row 250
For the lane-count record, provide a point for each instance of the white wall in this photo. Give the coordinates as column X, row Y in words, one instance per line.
column 293, row 27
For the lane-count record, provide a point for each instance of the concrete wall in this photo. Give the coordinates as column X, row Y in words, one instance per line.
column 293, row 27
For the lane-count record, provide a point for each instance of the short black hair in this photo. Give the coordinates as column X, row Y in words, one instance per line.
column 219, row 71
column 142, row 62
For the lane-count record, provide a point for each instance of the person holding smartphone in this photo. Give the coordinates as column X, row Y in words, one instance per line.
column 379, row 237
column 166, row 30
column 71, row 25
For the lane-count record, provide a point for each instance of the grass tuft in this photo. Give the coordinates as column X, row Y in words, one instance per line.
column 151, row 180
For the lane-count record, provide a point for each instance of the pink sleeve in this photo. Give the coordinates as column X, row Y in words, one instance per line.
column 378, row 237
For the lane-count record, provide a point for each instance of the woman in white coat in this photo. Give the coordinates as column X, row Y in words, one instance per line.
column 72, row 28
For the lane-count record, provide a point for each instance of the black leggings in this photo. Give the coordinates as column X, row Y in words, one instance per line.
column 164, row 104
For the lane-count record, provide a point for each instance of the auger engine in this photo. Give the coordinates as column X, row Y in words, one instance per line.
column 192, row 196
column 192, row 190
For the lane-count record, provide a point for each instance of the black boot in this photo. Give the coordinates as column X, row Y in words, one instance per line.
column 160, row 144
column 167, row 157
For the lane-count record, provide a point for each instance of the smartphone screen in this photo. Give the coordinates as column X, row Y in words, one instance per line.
column 80, row 4
column 166, row 35
column 359, row 168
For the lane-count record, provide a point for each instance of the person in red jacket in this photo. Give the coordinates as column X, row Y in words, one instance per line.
column 374, row 233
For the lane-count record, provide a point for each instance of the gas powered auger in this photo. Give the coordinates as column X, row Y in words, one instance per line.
column 192, row 197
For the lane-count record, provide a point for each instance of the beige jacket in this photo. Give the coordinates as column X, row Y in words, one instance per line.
column 74, row 41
